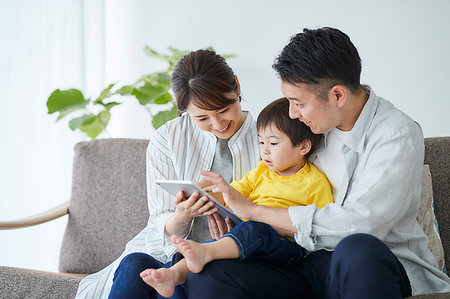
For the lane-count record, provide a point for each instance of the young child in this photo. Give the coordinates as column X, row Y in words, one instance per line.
column 283, row 178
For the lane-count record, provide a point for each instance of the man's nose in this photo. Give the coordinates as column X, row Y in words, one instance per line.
column 293, row 112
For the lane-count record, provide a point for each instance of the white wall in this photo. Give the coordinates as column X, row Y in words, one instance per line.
column 404, row 47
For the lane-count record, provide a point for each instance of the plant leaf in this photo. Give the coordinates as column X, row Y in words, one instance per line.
column 65, row 102
column 76, row 123
column 159, row 78
column 147, row 93
column 164, row 116
column 104, row 94
column 164, row 99
column 125, row 90
column 111, row 104
column 93, row 127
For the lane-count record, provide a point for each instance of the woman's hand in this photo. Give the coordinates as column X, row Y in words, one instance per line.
column 218, row 227
column 188, row 209
column 240, row 205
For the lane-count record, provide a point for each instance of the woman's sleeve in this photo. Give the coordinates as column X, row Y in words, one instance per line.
column 159, row 166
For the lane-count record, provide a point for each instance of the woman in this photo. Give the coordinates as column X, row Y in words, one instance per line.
column 212, row 133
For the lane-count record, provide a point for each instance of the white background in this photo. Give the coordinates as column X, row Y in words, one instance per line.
column 49, row 44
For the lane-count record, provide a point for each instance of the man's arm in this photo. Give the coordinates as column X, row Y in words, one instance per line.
column 383, row 187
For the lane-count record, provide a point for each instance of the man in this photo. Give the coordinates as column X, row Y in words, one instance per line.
column 368, row 243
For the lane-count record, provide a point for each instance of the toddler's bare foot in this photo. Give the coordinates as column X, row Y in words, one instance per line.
column 162, row 280
column 193, row 252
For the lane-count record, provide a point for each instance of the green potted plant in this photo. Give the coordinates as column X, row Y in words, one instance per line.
column 93, row 115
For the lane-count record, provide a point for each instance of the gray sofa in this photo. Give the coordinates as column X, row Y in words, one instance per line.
column 108, row 207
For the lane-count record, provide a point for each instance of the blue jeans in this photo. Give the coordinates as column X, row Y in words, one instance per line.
column 128, row 284
column 361, row 266
column 259, row 241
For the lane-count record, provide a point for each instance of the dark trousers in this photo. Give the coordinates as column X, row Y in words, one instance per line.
column 128, row 284
column 255, row 240
column 360, row 267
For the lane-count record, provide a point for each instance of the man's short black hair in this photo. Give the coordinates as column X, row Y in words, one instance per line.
column 323, row 58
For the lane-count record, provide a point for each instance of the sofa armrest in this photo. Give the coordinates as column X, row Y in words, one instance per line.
column 54, row 213
column 25, row 283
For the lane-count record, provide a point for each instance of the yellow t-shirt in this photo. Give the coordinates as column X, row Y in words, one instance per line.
column 266, row 187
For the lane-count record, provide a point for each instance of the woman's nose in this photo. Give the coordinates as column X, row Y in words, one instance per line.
column 216, row 123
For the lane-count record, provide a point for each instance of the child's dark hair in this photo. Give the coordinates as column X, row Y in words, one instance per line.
column 323, row 58
column 277, row 113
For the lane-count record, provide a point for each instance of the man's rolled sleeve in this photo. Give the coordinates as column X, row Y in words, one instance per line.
column 302, row 217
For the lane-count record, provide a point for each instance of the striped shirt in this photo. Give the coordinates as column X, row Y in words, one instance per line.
column 177, row 151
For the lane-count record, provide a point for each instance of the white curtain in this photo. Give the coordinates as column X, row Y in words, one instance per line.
column 45, row 45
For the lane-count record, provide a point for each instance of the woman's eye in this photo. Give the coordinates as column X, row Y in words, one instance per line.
column 223, row 111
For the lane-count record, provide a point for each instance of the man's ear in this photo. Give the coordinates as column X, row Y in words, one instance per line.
column 338, row 94
column 304, row 147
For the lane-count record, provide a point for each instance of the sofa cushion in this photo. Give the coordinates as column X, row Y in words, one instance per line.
column 30, row 284
column 108, row 206
column 427, row 219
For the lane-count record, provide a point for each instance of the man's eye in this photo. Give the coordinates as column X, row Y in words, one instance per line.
column 202, row 119
column 299, row 105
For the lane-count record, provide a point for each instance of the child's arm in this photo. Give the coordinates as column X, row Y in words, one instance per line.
column 204, row 184
column 235, row 200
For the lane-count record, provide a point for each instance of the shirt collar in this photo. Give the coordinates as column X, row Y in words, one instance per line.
column 357, row 135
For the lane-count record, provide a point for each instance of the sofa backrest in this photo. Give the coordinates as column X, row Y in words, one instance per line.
column 108, row 205
column 436, row 156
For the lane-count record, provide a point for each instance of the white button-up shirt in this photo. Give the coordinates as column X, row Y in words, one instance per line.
column 378, row 195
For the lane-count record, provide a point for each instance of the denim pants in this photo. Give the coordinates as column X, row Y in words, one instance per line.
column 259, row 241
column 128, row 284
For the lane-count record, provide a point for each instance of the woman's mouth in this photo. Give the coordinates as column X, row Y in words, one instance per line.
column 225, row 129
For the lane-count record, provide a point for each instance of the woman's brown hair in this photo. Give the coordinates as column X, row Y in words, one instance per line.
column 203, row 78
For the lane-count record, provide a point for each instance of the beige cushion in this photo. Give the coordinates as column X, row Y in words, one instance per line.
column 427, row 219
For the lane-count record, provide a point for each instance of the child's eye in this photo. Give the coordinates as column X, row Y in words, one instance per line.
column 273, row 143
column 261, row 143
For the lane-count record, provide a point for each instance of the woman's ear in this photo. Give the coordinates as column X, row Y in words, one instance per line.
column 304, row 147
column 238, row 86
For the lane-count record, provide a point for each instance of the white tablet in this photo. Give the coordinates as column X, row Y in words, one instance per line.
column 173, row 186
